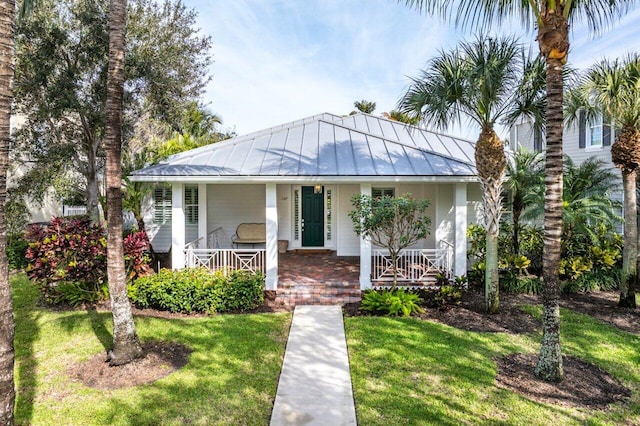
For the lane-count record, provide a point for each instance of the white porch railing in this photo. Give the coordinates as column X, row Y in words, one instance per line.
column 226, row 260
column 414, row 266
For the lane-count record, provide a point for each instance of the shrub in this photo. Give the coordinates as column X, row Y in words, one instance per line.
column 194, row 290
column 391, row 303
column 242, row 291
column 68, row 259
column 187, row 290
column 595, row 280
column 512, row 283
column 17, row 251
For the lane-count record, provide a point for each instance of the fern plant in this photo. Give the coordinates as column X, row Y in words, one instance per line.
column 391, row 302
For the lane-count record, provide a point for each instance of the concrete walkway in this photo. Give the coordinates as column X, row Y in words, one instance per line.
column 315, row 382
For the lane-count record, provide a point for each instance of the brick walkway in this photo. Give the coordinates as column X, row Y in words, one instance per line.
column 317, row 278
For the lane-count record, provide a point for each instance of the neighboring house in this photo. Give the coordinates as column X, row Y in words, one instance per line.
column 580, row 141
column 298, row 179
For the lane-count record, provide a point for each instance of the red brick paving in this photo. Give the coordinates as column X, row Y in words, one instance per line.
column 317, row 278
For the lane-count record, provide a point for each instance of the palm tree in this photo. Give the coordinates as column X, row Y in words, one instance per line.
column 586, row 198
column 395, row 115
column 7, row 326
column 126, row 346
column 364, row 106
column 525, row 177
column 474, row 81
column 551, row 19
column 611, row 89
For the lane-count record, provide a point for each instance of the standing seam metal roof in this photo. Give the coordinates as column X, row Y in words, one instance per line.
column 326, row 145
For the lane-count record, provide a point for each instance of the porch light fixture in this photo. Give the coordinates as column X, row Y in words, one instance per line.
column 317, row 189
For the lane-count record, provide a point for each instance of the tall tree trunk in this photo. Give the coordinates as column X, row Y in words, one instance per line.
column 7, row 327
column 553, row 39
column 492, row 210
column 126, row 346
column 516, row 212
column 630, row 249
column 92, row 185
column 491, row 163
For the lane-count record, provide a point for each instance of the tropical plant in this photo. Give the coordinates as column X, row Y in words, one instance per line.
column 126, row 345
column 365, row 106
column 551, row 19
column 586, row 198
column 525, row 177
column 476, row 81
column 391, row 302
column 391, row 222
column 395, row 115
column 611, row 89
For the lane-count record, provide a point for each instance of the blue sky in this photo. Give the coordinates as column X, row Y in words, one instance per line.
column 280, row 60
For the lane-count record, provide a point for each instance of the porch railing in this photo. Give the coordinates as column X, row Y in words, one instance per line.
column 226, row 260
column 414, row 266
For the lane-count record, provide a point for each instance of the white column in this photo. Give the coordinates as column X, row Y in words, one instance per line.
column 177, row 226
column 271, row 215
column 460, row 255
column 365, row 249
column 202, row 213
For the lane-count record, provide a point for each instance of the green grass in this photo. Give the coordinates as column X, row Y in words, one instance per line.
column 409, row 371
column 231, row 377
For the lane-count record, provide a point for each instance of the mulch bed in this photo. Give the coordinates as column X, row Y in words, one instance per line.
column 584, row 384
column 162, row 359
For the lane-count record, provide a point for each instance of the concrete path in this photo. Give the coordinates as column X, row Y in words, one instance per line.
column 315, row 382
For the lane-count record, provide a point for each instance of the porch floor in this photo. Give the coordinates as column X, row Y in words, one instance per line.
column 320, row 278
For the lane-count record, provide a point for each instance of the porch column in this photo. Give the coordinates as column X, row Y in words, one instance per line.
column 365, row 249
column 202, row 213
column 177, row 226
column 271, row 215
column 460, row 255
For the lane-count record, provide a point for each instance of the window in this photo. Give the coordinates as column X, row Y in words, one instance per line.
column 537, row 140
column 162, row 205
column 381, row 192
column 296, row 214
column 191, row 205
column 593, row 133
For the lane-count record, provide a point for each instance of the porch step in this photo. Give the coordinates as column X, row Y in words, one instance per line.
column 317, row 295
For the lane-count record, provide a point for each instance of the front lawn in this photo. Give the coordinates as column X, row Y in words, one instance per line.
column 231, row 377
column 411, row 371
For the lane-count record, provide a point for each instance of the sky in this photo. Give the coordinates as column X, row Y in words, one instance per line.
column 276, row 61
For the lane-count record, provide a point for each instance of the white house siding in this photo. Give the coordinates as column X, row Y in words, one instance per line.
column 348, row 241
column 232, row 204
column 159, row 234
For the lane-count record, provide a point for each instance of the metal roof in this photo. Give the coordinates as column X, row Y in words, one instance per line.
column 327, row 146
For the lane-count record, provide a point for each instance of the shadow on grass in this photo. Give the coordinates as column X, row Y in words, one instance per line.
column 27, row 333
column 418, row 372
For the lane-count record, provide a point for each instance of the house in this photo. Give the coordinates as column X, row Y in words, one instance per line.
column 298, row 179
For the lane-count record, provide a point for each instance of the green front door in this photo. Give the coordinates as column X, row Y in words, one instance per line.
column 312, row 217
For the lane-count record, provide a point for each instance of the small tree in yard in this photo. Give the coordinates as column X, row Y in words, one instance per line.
column 390, row 222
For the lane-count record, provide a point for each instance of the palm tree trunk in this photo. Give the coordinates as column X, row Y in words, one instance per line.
column 7, row 326
column 126, row 346
column 549, row 365
column 630, row 249
column 92, row 182
column 492, row 189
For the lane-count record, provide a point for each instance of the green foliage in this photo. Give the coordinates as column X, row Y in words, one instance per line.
column 594, row 280
column 60, row 83
column 391, row 222
column 448, row 296
column 69, row 258
column 242, row 291
column 391, row 302
column 512, row 283
column 188, row 290
column 194, row 290
column 17, row 251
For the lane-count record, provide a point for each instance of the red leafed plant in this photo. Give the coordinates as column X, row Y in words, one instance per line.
column 68, row 259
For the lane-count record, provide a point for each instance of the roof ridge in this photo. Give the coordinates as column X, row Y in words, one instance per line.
column 252, row 135
column 397, row 142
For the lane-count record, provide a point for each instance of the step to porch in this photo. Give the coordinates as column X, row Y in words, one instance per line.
column 293, row 294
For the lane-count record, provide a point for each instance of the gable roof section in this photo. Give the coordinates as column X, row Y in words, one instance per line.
column 324, row 145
